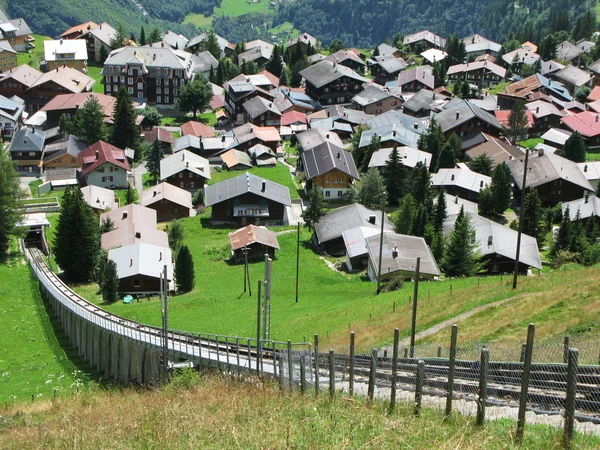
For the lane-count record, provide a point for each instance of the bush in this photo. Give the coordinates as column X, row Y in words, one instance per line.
column 394, row 284
column 564, row 257
column 198, row 198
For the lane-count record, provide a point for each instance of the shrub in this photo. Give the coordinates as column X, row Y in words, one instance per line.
column 394, row 284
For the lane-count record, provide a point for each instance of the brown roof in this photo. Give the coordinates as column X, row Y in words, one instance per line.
column 272, row 78
column 232, row 158
column 169, row 192
column 158, row 133
column 99, row 153
column 594, row 95
column 197, row 129
column 24, row 74
column 497, row 150
column 252, row 234
column 132, row 224
column 81, row 28
column 68, row 78
column 72, row 101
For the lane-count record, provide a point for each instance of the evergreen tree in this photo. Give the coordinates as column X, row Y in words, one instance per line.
column 119, row 39
column 65, row 126
column 518, row 124
column 405, row 216
column 369, row 189
column 143, row 36
column 184, row 270
column 420, row 184
column 211, row 44
column 10, row 199
column 461, row 252
column 456, row 51
column 446, row 158
column 336, row 45
column 153, row 159
column 393, row 174
column 110, row 285
column 125, row 132
column 275, row 63
column 420, row 221
column 501, row 188
column 374, row 146
column 76, row 243
column 591, row 231
column 315, row 209
column 432, row 142
column 195, row 96
column 106, row 225
column 358, row 153
column 155, row 35
column 175, row 233
column 286, row 77
column 89, row 121
column 530, row 215
column 438, row 246
column 575, row 148
column 440, row 212
column 211, row 75
column 220, row 76
column 103, row 54
column 100, row 269
column 482, row 164
column 563, row 236
column 486, row 201
column 131, row 195
column 456, row 144
column 578, row 237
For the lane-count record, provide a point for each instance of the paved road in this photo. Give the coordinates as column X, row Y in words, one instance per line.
column 137, row 176
column 24, row 182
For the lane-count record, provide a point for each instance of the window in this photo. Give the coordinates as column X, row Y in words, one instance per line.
column 140, row 95
column 140, row 86
column 107, row 88
column 136, row 283
column 159, row 90
column 326, row 180
column 140, row 72
column 115, row 79
column 159, row 99
column 327, row 193
column 130, row 90
column 340, row 193
column 192, row 184
column 379, row 103
column 166, row 90
column 122, row 78
column 130, row 81
column 495, row 268
column 180, row 174
column 130, row 71
column 181, row 184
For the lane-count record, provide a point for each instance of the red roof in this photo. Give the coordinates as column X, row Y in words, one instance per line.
column 595, row 106
column 267, row 134
column 594, row 95
column 73, row 101
column 81, row 28
column 197, row 129
column 158, row 133
column 587, row 123
column 292, row 117
column 502, row 117
column 99, row 153
column 218, row 101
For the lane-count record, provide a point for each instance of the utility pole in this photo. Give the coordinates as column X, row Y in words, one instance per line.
column 246, row 270
column 164, row 309
column 383, row 202
column 523, row 190
column 267, row 298
column 413, row 324
column 297, row 260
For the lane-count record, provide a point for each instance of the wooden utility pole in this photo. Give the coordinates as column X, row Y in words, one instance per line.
column 523, row 191
column 297, row 260
column 413, row 324
column 383, row 195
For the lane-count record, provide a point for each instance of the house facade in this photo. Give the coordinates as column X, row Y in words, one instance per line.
column 330, row 83
column 104, row 165
column 170, row 202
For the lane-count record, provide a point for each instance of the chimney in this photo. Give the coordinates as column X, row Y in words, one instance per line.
column 596, row 117
column 457, row 115
column 456, row 199
column 162, row 44
column 97, row 154
column 537, row 110
column 138, row 235
column 327, row 136
column 57, row 68
column 160, row 256
column 223, row 138
column 130, row 262
column 339, row 155
column 416, row 125
column 490, row 240
column 372, row 219
column 395, row 252
column 100, row 26
column 76, row 105
column 154, row 194
column 124, row 215
column 187, row 164
column 263, row 186
column 60, row 42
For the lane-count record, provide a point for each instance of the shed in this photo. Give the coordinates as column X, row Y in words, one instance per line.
column 258, row 241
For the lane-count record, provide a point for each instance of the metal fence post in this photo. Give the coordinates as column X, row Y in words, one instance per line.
column 351, row 368
column 331, row 374
column 573, row 358
column 317, row 388
column 419, row 386
column 525, row 381
column 451, row 366
column 483, row 371
column 290, row 365
column 394, row 369
column 372, row 374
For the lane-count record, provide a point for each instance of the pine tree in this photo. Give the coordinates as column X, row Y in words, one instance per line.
column 530, row 215
column 184, row 270
column 486, row 201
column 155, row 35
column 461, row 252
column 211, row 75
column 89, row 121
column 440, row 212
column 456, row 144
column 420, row 221
column 153, row 159
column 420, row 184
column 315, row 209
column 432, row 142
column 518, row 123
column 110, row 287
column 336, row 45
column 578, row 237
column 125, row 132
column 143, row 36
column 275, row 63
column 10, row 198
column 482, row 164
column 438, row 246
column 405, row 216
column 195, row 97
column 393, row 174
column 211, row 44
column 575, row 148
column 76, row 243
column 175, row 233
column 220, row 76
column 563, row 236
column 358, row 153
column 446, row 158
column 374, row 146
column 119, row 39
column 65, row 126
column 501, row 188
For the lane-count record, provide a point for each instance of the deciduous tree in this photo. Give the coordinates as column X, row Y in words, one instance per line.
column 195, row 96
column 10, row 198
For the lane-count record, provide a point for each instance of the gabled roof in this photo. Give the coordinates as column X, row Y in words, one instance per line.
column 257, row 106
column 197, row 129
column 541, row 108
column 149, row 56
column 587, row 123
column 24, row 74
column 525, row 88
column 433, row 55
column 291, row 117
column 174, row 40
column 81, row 28
column 252, row 234
column 184, row 161
column 386, row 50
column 503, row 115
column 545, row 167
column 249, row 131
column 567, row 51
column 68, row 145
column 573, row 75
column 462, row 177
column 355, row 240
column 28, row 140
column 589, row 206
column 70, row 79
column 158, row 133
column 310, row 139
column 303, row 38
column 424, row 35
column 521, row 55
column 477, row 65
column 422, row 74
column 424, row 100
column 73, row 101
column 326, row 157
column 203, row 143
column 399, row 254
column 223, row 43
column 142, row 259
column 343, row 55
column 247, row 183
column 496, row 149
column 335, row 222
column 98, row 197
column 409, row 157
column 235, row 158
column 556, row 136
column 14, row 27
column 395, row 133
column 103, row 32
column 256, row 50
column 372, row 94
column 325, row 72
column 125, row 215
column 549, row 67
column 476, row 43
column 99, row 153
column 204, row 61
column 590, row 170
column 454, row 204
column 461, row 112
column 55, row 50
column 166, row 191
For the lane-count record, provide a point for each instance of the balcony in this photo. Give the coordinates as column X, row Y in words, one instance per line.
column 250, row 211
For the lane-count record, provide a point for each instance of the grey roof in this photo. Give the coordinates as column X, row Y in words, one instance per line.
column 386, row 50
column 98, row 197
column 488, row 103
column 223, row 43
column 174, row 40
column 567, row 51
column 477, row 65
column 234, row 158
column 425, row 35
column 182, row 161
column 335, row 222
column 103, row 32
column 304, row 38
column 68, row 145
column 399, row 254
column 331, row 124
column 19, row 26
column 549, row 67
column 247, row 183
column 454, row 204
column 590, row 170
column 372, row 94
column 326, row 157
column 545, row 167
column 324, row 73
column 391, row 133
column 422, row 74
column 390, row 63
column 312, row 138
column 28, row 140
column 3, row 17
column 316, row 58
column 341, row 113
column 11, row 108
column 149, row 56
column 203, row 61
column 190, row 141
column 261, row 51
column 355, row 240
column 462, row 177
column 573, row 75
column 142, row 259
column 521, row 55
column 482, row 46
column 541, row 108
column 258, row 106
column 343, row 55
column 5, row 46
column 588, row 206
column 409, row 157
column 499, row 151
column 166, row 191
column 424, row 100
column 461, row 112
column 556, row 136
column 399, row 119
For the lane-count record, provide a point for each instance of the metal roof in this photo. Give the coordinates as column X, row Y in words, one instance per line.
column 325, row 72
column 372, row 94
column 98, row 197
column 461, row 112
column 409, row 157
column 258, row 106
column 142, row 259
column 166, row 191
column 182, row 161
column 589, row 206
column 247, row 183
column 355, row 240
column 252, row 234
column 28, row 140
column 326, row 157
column 463, row 177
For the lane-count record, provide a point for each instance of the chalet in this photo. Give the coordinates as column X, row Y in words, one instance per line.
column 567, row 51
column 253, row 243
column 26, row 149
column 388, row 50
column 98, row 198
column 132, row 224
column 8, row 56
column 104, row 165
column 150, row 72
column 249, row 135
column 208, row 148
column 248, row 199
column 520, row 56
column 185, row 170
column 586, row 208
column 263, row 155
column 386, row 68
column 393, row 128
column 257, row 51
column 236, row 160
column 573, row 78
column 556, row 179
column 415, row 79
column 545, row 116
column 591, row 172
column 70, row 53
column 264, row 80
column 63, row 153
column 237, row 93
column 417, row 42
column 18, row 34
column 556, row 137
column 288, row 100
column 98, row 40
column 262, row 112
column 399, row 255
column 139, row 267
column 461, row 182
column 68, row 104
column 75, row 32
column 376, row 100
column 169, row 201
column 197, row 129
column 347, row 59
column 203, row 63
column 164, row 138
column 11, row 113
column 328, row 234
column 476, row 46
column 482, row 73
column 424, row 102
column 59, row 179
column 550, row 67
column 587, row 124
column 463, row 117
column 433, row 55
column 530, row 89
column 502, row 116
column 194, row 45
column 498, row 151
column 174, row 40
column 409, row 157
column 304, row 40
column 295, row 121
column 62, row 80
column 330, row 83
column 357, row 255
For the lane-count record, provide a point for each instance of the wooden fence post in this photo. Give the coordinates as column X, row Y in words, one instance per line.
column 332, row 374
column 290, row 365
column 419, row 386
column 439, row 351
column 302, row 375
column 525, row 381
column 566, row 350
column 317, row 388
column 451, row 366
column 483, row 372
column 281, row 377
column 573, row 358
column 394, row 369
column 372, row 374
column 351, row 373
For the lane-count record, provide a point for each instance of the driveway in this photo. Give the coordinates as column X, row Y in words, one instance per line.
column 24, row 182
column 137, row 176
column 293, row 214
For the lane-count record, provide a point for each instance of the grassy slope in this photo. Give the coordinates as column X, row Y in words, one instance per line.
column 227, row 413
column 234, row 8
column 32, row 360
column 35, row 55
